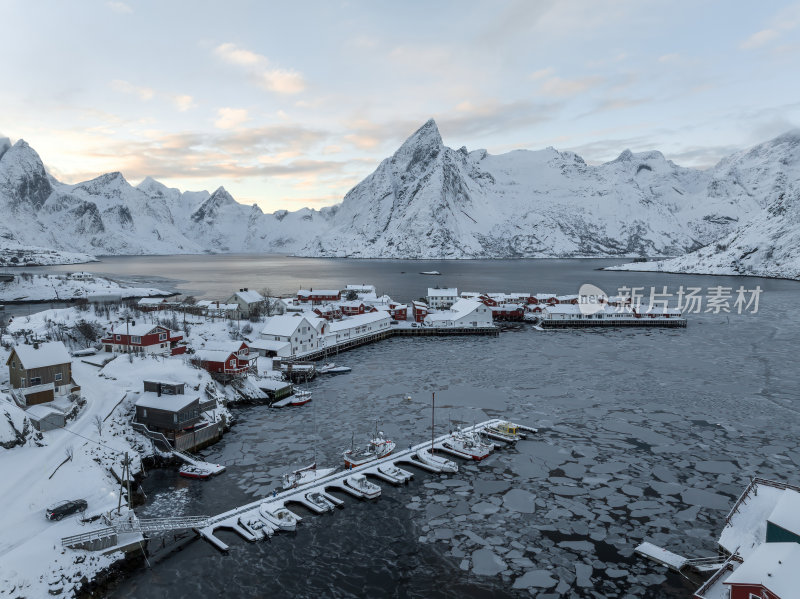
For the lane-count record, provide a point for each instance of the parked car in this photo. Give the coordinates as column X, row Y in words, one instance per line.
column 414, row 324
column 393, row 322
column 65, row 508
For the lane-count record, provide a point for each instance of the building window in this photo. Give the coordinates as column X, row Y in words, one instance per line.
column 13, row 365
column 144, row 412
column 22, row 382
column 162, row 336
column 136, row 339
column 36, row 380
column 117, row 337
column 58, row 376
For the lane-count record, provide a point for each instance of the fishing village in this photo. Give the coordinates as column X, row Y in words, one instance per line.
column 150, row 383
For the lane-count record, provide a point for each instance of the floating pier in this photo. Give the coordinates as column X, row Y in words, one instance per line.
column 256, row 521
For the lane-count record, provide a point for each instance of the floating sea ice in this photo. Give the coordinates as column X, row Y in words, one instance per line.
column 535, row 579
column 583, row 573
column 705, row 499
column 484, row 507
column 519, row 500
column 487, row 563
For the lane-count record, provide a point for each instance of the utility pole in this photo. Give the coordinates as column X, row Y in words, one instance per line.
column 433, row 413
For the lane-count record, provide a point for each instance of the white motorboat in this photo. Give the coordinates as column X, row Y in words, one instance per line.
column 360, row 483
column 320, row 501
column 279, row 517
column 430, row 272
column 441, row 464
column 303, row 476
column 378, row 447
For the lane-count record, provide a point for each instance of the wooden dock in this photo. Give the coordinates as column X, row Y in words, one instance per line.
column 587, row 323
column 392, row 332
column 249, row 521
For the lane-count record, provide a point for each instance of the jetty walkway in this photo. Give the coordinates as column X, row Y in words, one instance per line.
column 262, row 518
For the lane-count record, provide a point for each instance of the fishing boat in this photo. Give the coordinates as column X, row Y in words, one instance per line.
column 427, row 456
column 360, row 483
column 378, row 447
column 467, row 445
column 279, row 517
column 309, row 474
column 505, row 431
column 331, row 368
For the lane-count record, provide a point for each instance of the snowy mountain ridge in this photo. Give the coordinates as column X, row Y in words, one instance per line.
column 425, row 201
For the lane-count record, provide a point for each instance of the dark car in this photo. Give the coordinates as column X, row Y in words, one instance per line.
column 65, row 508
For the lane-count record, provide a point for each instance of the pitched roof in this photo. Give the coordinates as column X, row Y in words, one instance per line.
column 358, row 320
column 213, row 355
column 172, row 403
column 787, row 512
column 48, row 354
column 772, row 565
column 250, row 296
column 441, row 292
column 284, row 325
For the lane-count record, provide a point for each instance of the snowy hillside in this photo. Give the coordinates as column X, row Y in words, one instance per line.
column 425, row 201
column 769, row 243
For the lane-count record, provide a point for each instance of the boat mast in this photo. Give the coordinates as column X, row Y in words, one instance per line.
column 433, row 412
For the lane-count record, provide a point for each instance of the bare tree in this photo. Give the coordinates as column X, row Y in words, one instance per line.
column 98, row 424
column 70, row 451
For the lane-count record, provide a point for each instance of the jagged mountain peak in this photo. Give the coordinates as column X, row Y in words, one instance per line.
column 5, row 144
column 424, row 144
column 23, row 177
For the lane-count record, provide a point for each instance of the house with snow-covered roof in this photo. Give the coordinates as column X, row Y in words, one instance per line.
column 40, row 372
column 357, row 326
column 226, row 361
column 143, row 338
column 441, row 298
column 316, row 297
column 301, row 331
column 250, row 301
column 463, row 313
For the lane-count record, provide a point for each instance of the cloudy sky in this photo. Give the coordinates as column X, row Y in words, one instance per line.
column 290, row 104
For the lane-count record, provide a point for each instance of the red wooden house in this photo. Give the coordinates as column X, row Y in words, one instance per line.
column 508, row 312
column 769, row 572
column 328, row 312
column 144, row 338
column 320, row 296
column 398, row 311
column 487, row 301
column 419, row 310
column 225, row 361
column 353, row 308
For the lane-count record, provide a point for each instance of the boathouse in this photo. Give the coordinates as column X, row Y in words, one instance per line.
column 146, row 339
column 769, row 572
column 357, row 326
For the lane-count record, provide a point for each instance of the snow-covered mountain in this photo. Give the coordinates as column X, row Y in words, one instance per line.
column 430, row 201
column 425, row 201
column 107, row 215
column 768, row 244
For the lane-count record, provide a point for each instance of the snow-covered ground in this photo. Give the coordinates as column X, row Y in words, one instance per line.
column 28, row 287
column 32, row 562
column 12, row 254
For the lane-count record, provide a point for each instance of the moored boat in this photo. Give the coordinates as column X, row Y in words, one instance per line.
column 279, row 517
column 467, row 445
column 320, row 501
column 505, row 431
column 300, row 398
column 360, row 483
column 305, row 475
column 378, row 447
column 441, row 464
